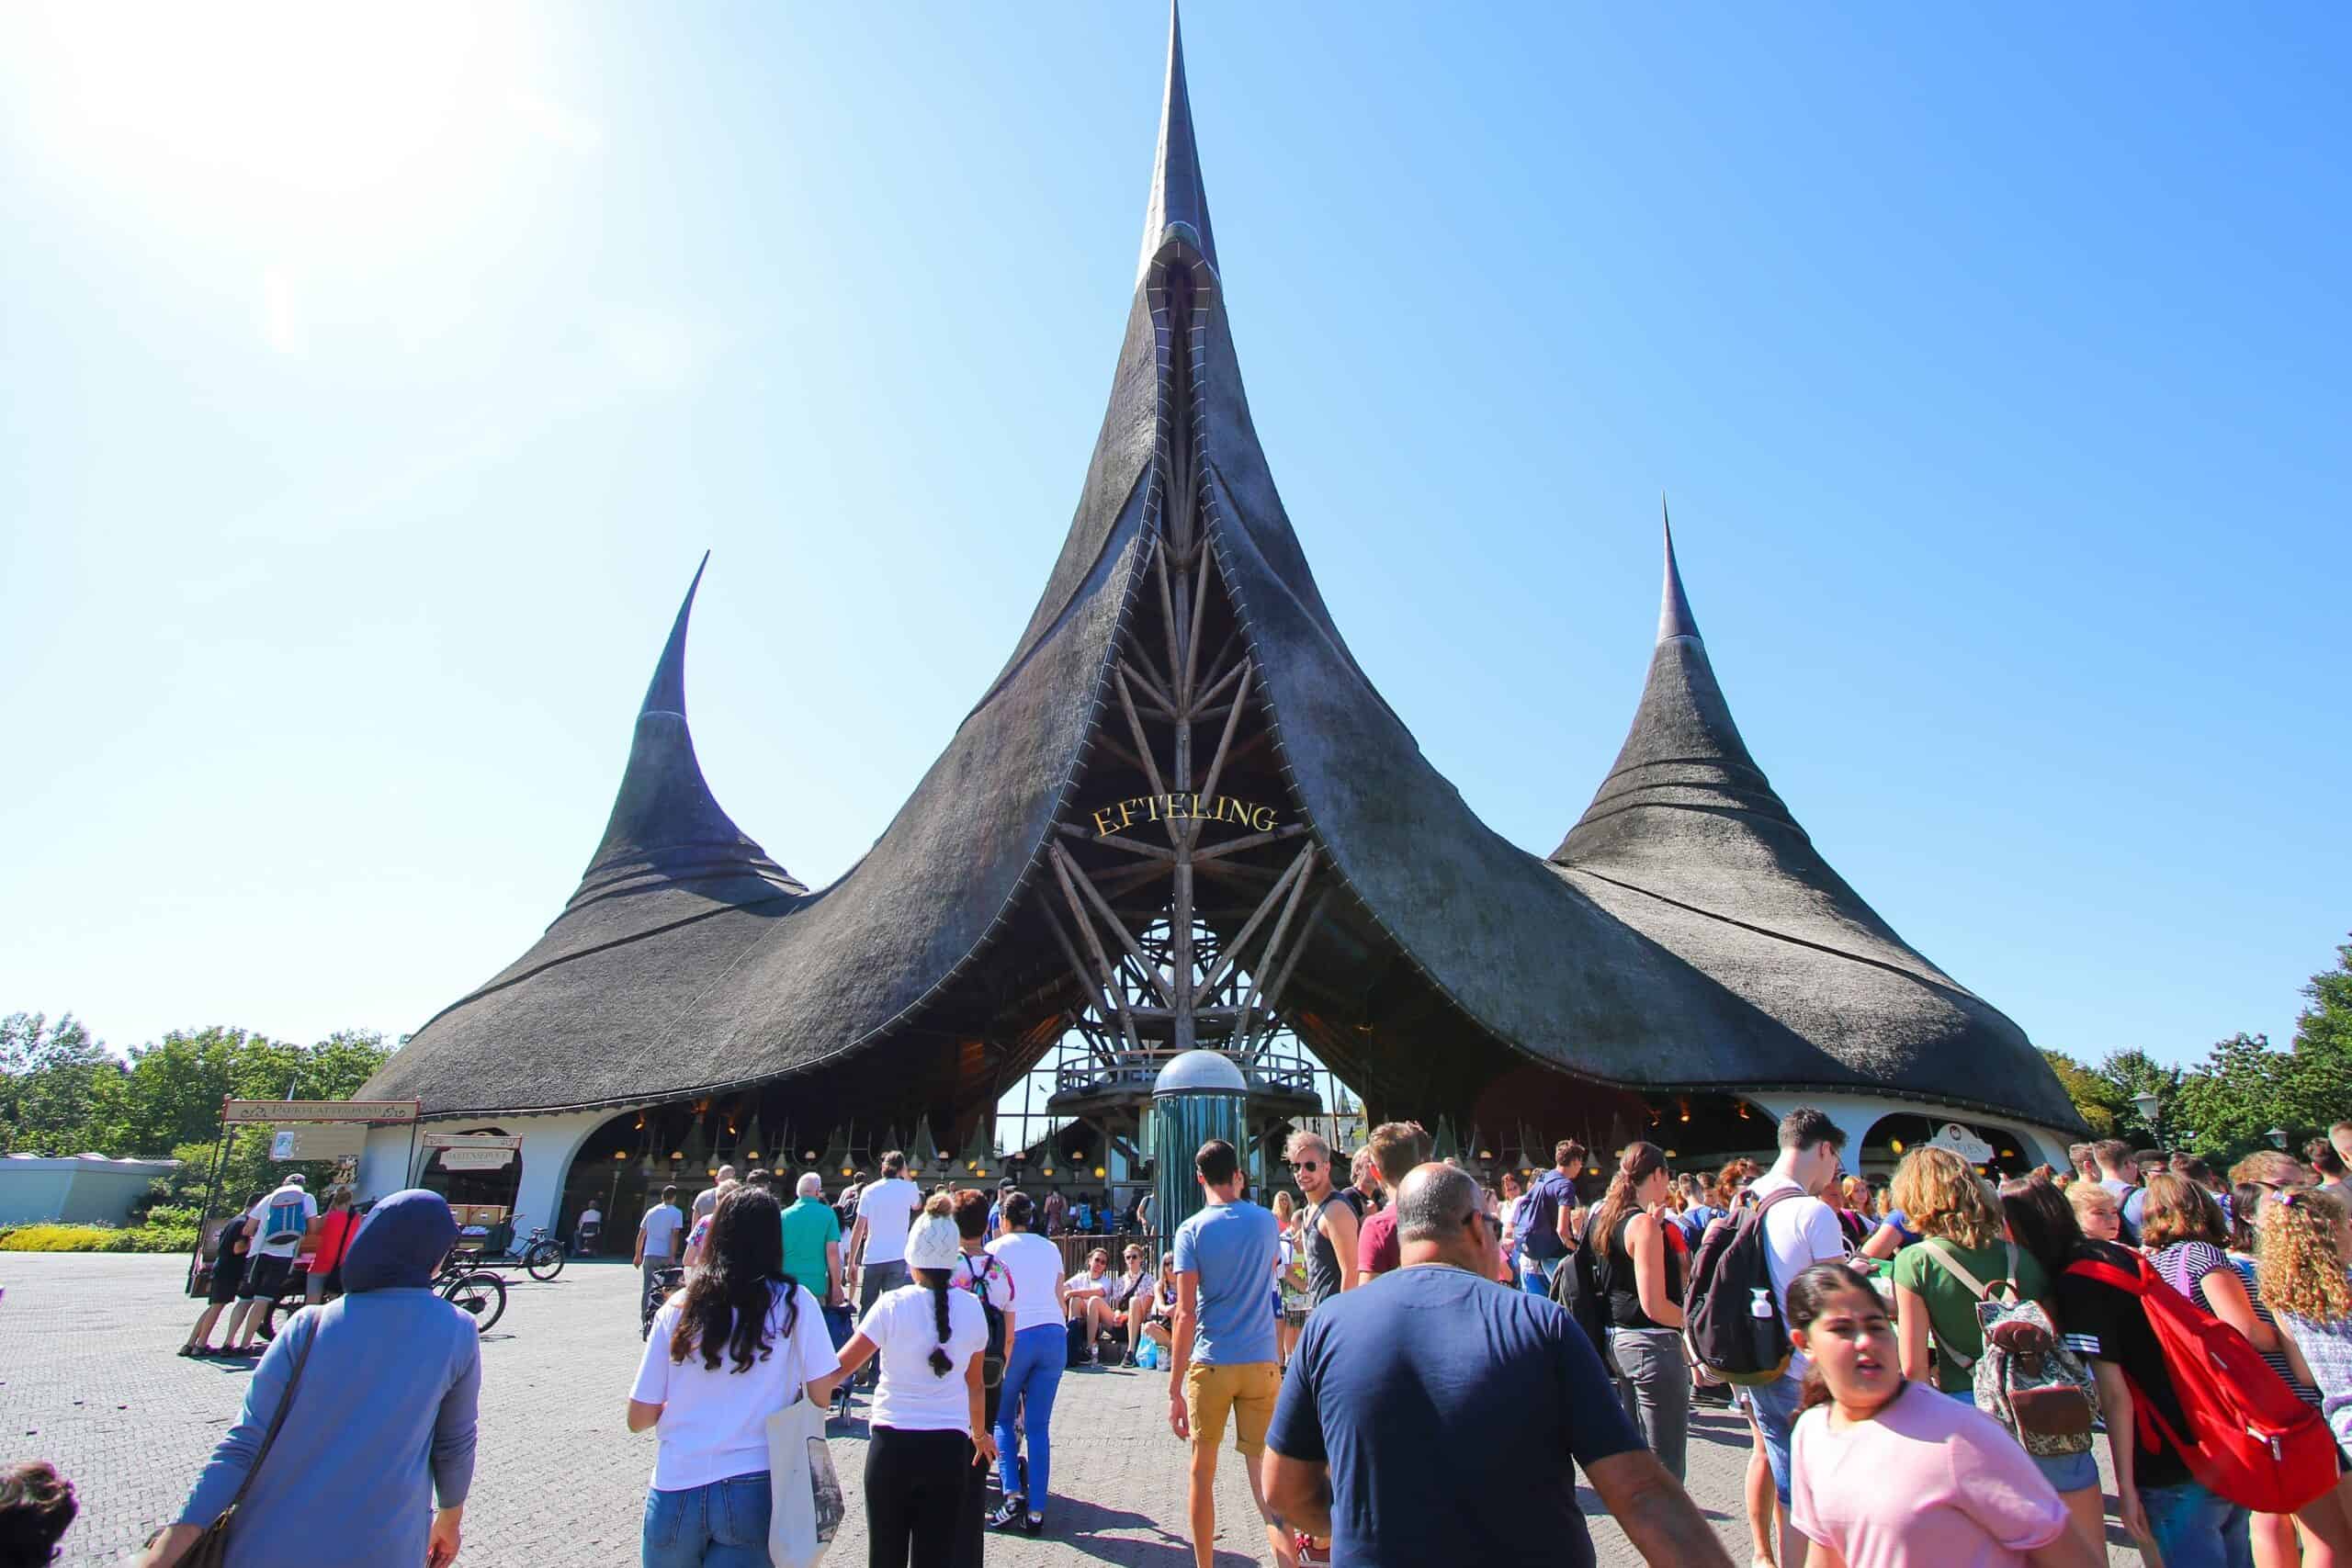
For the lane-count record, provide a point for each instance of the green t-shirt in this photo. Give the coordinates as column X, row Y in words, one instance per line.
column 1952, row 1306
column 809, row 1227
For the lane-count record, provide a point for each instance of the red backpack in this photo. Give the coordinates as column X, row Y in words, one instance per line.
column 2249, row 1440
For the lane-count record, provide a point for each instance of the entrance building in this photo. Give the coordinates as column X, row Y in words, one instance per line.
column 1180, row 817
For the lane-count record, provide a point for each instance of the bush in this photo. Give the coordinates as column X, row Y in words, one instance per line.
column 98, row 1239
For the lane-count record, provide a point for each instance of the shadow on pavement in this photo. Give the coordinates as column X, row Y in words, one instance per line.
column 1078, row 1521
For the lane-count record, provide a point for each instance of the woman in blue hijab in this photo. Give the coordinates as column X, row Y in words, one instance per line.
column 381, row 1421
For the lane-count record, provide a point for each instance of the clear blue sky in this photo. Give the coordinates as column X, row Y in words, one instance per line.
column 372, row 386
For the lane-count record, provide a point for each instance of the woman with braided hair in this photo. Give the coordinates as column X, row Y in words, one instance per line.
column 928, row 1420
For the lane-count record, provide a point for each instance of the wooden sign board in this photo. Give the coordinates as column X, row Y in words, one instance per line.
column 305, row 1141
column 476, row 1159
column 319, row 1112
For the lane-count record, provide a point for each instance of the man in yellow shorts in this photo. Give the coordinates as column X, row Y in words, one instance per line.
column 1223, row 1367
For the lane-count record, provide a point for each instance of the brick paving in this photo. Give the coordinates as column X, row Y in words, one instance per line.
column 88, row 1381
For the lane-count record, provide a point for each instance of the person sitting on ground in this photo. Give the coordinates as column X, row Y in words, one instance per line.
column 1159, row 1316
column 1503, row 1407
column 1130, row 1295
column 1396, row 1148
column 1891, row 1475
column 1086, row 1300
column 336, row 1227
column 378, row 1390
column 742, row 1340
column 37, row 1508
column 228, row 1276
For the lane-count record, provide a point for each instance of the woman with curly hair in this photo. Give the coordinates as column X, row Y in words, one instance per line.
column 2299, row 1267
column 736, row 1345
column 1961, row 1255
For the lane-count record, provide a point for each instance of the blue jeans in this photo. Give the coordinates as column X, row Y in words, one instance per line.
column 721, row 1525
column 1774, row 1407
column 1033, row 1374
column 2194, row 1528
column 1535, row 1273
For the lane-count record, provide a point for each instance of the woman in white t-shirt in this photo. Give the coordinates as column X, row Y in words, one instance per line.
column 736, row 1345
column 1033, row 1372
column 926, row 1423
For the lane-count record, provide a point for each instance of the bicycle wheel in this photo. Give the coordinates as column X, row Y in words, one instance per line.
column 480, row 1296
column 544, row 1260
column 280, row 1312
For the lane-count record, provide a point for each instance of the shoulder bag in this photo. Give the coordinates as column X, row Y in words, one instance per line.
column 806, row 1509
column 212, row 1547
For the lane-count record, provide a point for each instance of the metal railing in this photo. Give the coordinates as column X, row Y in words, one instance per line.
column 1273, row 1071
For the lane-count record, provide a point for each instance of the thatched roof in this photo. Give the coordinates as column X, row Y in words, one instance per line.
column 1686, row 935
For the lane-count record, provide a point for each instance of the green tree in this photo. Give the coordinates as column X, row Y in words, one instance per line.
column 2135, row 1072
column 2098, row 1100
column 60, row 1087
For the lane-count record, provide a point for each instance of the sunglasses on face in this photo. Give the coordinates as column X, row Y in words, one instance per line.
column 1307, row 1165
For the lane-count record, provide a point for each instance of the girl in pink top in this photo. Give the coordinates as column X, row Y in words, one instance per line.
column 1889, row 1474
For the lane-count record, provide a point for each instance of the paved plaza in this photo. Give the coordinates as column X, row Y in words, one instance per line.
column 88, row 1380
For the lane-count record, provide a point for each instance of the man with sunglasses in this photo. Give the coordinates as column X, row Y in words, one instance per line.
column 1506, row 1399
column 1333, row 1225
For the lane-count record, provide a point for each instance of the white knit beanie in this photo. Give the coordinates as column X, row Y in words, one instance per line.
column 933, row 1243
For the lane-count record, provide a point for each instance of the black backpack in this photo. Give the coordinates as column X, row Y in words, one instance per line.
column 992, row 1356
column 1576, row 1288
column 1735, row 1324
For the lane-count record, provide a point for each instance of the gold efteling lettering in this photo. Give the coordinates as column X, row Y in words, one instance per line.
column 1181, row 808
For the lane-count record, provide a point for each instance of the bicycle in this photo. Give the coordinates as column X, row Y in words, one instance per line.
column 477, row 1292
column 541, row 1256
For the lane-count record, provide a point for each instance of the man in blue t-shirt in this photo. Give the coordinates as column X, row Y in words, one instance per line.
column 1223, row 1364
column 1551, row 1218
column 1433, row 1416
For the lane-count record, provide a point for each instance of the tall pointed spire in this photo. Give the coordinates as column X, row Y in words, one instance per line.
column 1674, row 609
column 667, row 690
column 1179, row 201
column 666, row 828
column 1684, row 754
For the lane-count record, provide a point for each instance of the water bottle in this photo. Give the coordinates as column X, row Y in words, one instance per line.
column 1149, row 1357
column 1761, row 1306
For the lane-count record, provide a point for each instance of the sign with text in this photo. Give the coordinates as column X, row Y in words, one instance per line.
column 472, row 1141
column 1182, row 806
column 346, row 1140
column 476, row 1159
column 317, row 1113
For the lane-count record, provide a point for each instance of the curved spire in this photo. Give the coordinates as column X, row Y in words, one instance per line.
column 1674, row 617
column 666, row 693
column 1179, row 201
column 1684, row 753
column 666, row 828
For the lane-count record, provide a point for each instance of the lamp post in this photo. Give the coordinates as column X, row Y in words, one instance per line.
column 2278, row 1136
column 2151, row 1111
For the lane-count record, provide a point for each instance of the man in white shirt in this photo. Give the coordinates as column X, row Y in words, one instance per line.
column 658, row 1234
column 878, row 1241
column 1799, row 1232
column 590, row 1227
column 276, row 1225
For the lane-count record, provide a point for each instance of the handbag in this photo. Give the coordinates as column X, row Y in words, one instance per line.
column 212, row 1547
column 805, row 1509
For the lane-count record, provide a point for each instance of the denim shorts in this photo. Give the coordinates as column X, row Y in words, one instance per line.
column 2067, row 1472
column 1773, row 1406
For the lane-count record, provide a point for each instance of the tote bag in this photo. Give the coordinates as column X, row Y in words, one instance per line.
column 804, row 1495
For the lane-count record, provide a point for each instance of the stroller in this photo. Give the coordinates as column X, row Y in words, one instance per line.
column 665, row 1281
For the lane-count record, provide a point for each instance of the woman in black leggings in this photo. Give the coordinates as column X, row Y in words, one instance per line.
column 928, row 1420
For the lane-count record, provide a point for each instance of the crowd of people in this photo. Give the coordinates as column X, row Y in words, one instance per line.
column 1925, row 1366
